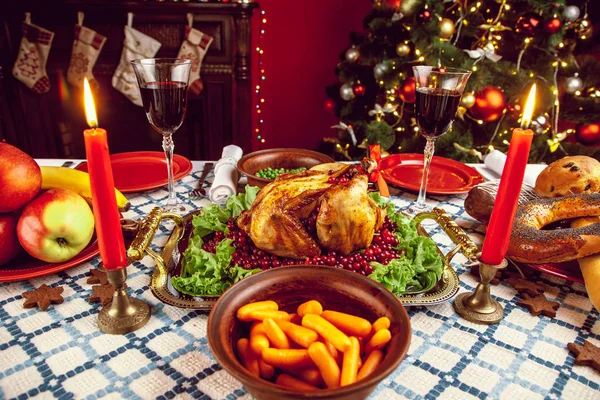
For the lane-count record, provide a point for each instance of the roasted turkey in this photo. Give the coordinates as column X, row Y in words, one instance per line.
column 346, row 218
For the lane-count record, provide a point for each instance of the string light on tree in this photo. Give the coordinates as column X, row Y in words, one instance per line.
column 262, row 78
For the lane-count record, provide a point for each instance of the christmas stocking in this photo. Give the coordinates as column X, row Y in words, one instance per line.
column 194, row 48
column 86, row 48
column 30, row 67
column 136, row 45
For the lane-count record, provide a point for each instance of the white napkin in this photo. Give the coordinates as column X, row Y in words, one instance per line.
column 495, row 161
column 226, row 175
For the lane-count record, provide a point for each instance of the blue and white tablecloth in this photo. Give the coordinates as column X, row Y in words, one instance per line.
column 62, row 354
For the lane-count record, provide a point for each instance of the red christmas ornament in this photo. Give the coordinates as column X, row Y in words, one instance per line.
column 553, row 25
column 395, row 4
column 528, row 24
column 424, row 16
column 329, row 105
column 588, row 134
column 408, row 91
column 489, row 104
column 359, row 90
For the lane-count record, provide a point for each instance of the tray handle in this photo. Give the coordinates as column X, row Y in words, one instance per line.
column 146, row 233
column 463, row 242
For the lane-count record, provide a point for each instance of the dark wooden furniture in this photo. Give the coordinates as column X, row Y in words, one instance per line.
column 51, row 125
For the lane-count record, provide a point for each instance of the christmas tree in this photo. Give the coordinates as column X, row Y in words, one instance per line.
column 507, row 44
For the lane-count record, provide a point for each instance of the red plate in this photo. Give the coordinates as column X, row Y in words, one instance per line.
column 567, row 270
column 445, row 177
column 144, row 170
column 26, row 267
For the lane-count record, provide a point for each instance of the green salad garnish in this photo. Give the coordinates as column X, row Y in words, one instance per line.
column 206, row 273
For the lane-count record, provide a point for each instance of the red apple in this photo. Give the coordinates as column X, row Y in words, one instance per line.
column 9, row 244
column 56, row 226
column 20, row 178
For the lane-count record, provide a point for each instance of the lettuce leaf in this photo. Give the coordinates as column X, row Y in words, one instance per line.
column 420, row 268
column 209, row 274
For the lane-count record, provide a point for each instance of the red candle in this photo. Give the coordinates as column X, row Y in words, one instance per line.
column 104, row 201
column 495, row 244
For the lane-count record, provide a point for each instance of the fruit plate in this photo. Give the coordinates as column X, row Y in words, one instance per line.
column 26, row 267
column 567, row 270
column 168, row 264
column 445, row 177
column 138, row 171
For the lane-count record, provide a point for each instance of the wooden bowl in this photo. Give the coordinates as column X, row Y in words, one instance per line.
column 291, row 286
column 278, row 158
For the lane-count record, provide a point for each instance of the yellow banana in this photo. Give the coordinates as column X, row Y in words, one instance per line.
column 77, row 181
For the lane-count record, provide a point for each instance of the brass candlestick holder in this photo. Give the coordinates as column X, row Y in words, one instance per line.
column 478, row 306
column 125, row 314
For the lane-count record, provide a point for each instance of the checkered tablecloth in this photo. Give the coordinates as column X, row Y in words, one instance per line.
column 62, row 354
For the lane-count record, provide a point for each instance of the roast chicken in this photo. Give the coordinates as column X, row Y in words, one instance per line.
column 346, row 217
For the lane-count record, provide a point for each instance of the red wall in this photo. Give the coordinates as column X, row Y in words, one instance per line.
column 302, row 42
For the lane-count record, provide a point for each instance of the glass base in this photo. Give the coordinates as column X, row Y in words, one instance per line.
column 417, row 208
column 174, row 206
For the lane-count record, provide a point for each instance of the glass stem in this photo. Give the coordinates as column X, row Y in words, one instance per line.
column 168, row 147
column 429, row 149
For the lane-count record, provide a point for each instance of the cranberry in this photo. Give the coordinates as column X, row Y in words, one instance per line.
column 331, row 261
column 330, row 172
column 368, row 270
column 332, row 179
column 276, row 263
column 343, row 179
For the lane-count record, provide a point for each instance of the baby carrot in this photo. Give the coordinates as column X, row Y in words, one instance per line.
column 308, row 375
column 287, row 358
column 381, row 323
column 298, row 334
column 258, row 338
column 276, row 336
column 310, row 307
column 247, row 357
column 289, row 382
column 350, row 363
column 350, row 324
column 242, row 312
column 326, row 364
column 378, row 341
column 266, row 371
column 329, row 332
column 370, row 364
column 260, row 315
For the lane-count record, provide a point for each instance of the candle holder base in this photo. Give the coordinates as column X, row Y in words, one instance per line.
column 124, row 314
column 478, row 306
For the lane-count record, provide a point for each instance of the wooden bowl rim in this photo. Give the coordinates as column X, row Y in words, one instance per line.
column 325, row 158
column 373, row 380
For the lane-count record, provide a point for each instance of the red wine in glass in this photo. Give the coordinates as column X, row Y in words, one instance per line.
column 435, row 110
column 164, row 104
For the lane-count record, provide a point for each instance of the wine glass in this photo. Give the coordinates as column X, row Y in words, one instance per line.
column 164, row 88
column 438, row 96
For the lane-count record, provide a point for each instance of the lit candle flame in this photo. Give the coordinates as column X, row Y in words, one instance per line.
column 90, row 109
column 526, row 120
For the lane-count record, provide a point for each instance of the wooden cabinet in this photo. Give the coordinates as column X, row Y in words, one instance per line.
column 51, row 124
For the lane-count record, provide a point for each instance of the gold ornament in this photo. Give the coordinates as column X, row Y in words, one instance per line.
column 467, row 100
column 409, row 7
column 402, row 49
column 447, row 27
